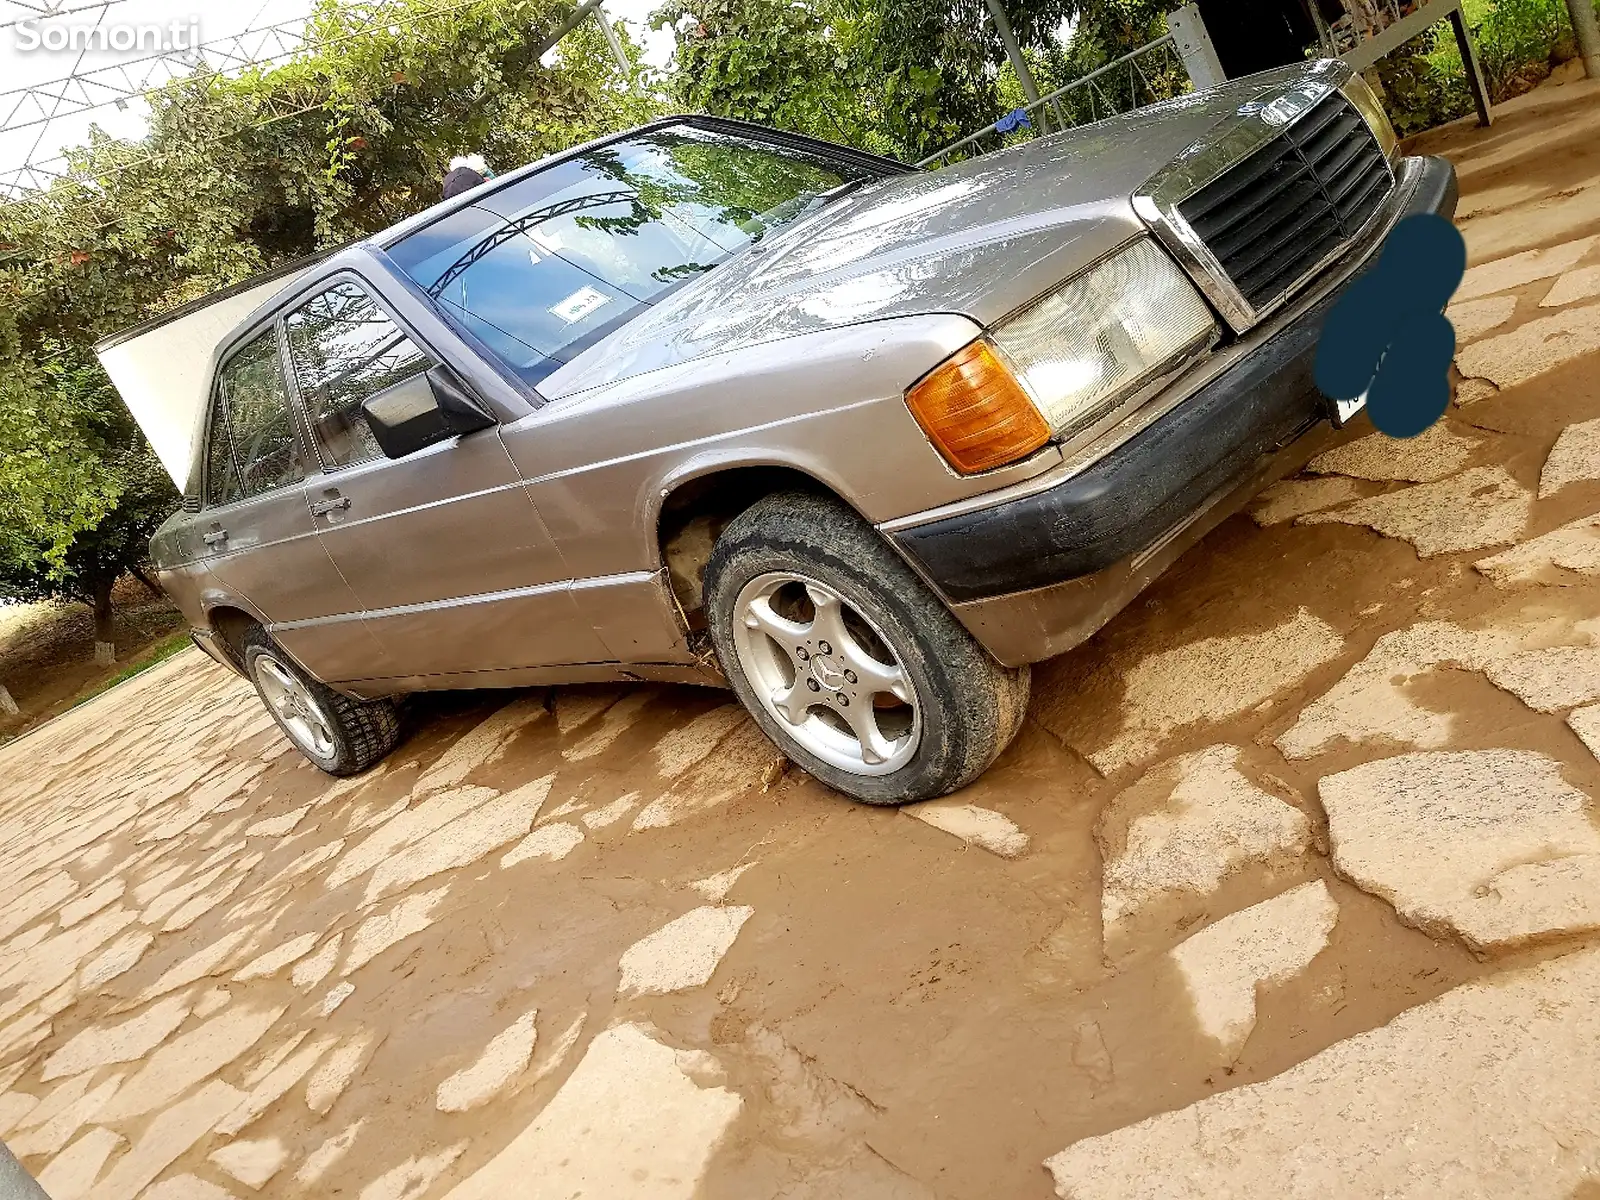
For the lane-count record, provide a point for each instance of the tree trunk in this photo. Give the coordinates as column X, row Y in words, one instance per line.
column 105, row 633
column 1586, row 31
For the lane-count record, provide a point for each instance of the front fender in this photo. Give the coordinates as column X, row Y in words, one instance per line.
column 829, row 405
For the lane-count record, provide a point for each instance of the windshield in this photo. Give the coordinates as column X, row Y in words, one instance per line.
column 543, row 268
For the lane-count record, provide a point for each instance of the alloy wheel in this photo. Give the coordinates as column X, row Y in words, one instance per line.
column 296, row 708
column 827, row 674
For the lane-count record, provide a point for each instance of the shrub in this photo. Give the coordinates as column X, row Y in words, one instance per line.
column 1519, row 41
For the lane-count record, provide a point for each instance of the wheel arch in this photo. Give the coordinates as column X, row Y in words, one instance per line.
column 696, row 507
column 230, row 624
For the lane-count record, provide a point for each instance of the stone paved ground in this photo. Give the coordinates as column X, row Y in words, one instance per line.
column 1291, row 885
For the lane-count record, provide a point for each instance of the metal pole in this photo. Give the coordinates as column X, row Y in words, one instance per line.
column 574, row 19
column 1085, row 81
column 604, row 21
column 1002, row 26
column 1476, row 84
column 1324, row 34
column 1587, row 31
column 15, row 1182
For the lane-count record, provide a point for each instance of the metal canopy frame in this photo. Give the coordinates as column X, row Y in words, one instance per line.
column 138, row 79
column 118, row 84
column 39, row 10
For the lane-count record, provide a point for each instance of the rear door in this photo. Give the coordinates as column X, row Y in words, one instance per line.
column 256, row 532
column 453, row 568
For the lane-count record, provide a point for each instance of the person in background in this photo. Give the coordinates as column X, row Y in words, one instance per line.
column 466, row 172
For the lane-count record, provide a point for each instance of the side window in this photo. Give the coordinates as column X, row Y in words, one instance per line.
column 344, row 349
column 253, row 448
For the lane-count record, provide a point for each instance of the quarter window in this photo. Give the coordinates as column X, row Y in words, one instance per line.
column 345, row 349
column 253, row 447
column 222, row 480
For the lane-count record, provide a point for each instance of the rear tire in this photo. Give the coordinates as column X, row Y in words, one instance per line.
column 846, row 659
column 340, row 735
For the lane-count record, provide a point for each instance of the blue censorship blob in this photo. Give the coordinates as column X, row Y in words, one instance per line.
column 1371, row 329
column 1412, row 389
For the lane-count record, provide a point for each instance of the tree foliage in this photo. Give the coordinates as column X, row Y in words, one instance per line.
column 898, row 76
column 114, row 456
column 790, row 65
column 236, row 175
column 902, row 77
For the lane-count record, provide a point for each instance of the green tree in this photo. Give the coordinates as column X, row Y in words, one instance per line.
column 904, row 77
column 86, row 567
column 236, row 175
column 794, row 66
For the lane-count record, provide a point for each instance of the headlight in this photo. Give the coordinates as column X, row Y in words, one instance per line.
column 1088, row 344
column 1371, row 110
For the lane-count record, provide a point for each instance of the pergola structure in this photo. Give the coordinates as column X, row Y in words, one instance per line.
column 37, row 107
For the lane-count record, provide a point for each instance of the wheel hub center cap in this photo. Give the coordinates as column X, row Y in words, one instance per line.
column 828, row 671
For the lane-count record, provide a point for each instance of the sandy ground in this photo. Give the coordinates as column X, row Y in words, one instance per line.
column 1290, row 886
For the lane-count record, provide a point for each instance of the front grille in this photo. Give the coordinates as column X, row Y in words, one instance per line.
column 1271, row 218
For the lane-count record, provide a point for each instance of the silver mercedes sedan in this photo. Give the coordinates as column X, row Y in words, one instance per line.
column 706, row 402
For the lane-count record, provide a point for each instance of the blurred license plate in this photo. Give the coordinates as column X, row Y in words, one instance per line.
column 1343, row 410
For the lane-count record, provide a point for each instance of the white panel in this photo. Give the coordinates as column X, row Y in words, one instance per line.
column 162, row 375
column 1195, row 48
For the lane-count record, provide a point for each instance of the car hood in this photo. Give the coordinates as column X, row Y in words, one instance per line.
column 981, row 238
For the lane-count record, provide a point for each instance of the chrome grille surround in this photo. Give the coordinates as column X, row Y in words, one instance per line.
column 1312, row 182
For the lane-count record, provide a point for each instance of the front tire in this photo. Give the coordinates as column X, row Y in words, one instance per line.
column 340, row 735
column 846, row 659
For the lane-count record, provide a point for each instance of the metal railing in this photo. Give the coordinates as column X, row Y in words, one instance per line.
column 1103, row 92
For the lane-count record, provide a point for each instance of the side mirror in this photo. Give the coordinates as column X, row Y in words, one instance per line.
column 422, row 411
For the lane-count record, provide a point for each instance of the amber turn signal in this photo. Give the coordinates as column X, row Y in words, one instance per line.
column 973, row 409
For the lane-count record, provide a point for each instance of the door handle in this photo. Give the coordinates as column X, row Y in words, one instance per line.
column 321, row 508
column 216, row 537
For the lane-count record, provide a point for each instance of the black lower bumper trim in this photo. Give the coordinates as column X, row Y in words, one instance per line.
column 1129, row 499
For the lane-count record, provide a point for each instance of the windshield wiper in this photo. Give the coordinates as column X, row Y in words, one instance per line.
column 822, row 199
column 844, row 189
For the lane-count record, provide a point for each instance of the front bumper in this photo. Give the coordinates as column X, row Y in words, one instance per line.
column 1033, row 576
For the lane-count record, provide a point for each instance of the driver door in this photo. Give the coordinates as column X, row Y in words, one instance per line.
column 445, row 551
